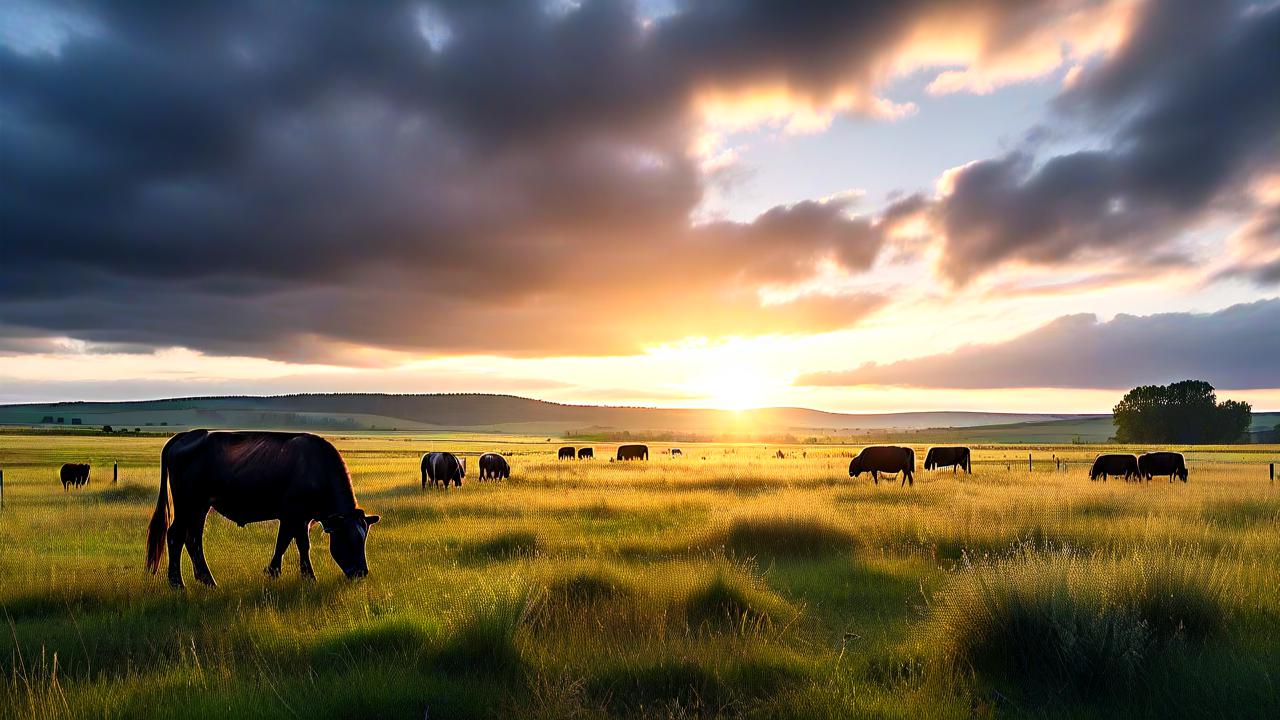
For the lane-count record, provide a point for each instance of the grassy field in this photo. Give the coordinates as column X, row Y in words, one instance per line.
column 726, row 583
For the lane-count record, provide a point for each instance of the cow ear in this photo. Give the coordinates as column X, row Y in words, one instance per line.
column 371, row 519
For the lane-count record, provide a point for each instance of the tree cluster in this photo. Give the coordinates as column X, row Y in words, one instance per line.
column 1182, row 412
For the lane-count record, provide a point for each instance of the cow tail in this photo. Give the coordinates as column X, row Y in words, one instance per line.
column 159, row 527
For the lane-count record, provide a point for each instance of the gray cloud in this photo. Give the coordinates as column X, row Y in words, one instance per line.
column 1234, row 348
column 1192, row 97
column 278, row 179
column 284, row 179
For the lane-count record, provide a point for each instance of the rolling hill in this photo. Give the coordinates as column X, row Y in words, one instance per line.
column 482, row 413
column 476, row 412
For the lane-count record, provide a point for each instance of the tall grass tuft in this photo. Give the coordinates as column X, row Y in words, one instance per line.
column 1085, row 623
column 729, row 601
column 505, row 546
column 787, row 536
column 484, row 643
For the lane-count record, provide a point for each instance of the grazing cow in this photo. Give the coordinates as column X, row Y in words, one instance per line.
column 633, row 452
column 675, row 452
column 780, row 455
column 586, row 454
column 885, row 459
column 493, row 465
column 1163, row 463
column 248, row 477
column 953, row 457
column 1118, row 465
column 567, row 453
column 441, row 468
column 74, row 475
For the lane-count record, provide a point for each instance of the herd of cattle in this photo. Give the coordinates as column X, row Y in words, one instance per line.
column 300, row 479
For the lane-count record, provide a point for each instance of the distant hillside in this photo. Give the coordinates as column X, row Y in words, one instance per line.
column 480, row 413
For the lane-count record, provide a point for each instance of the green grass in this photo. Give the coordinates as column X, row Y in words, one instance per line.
column 736, row 586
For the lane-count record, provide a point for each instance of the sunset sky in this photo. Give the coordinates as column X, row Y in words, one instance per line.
column 991, row 205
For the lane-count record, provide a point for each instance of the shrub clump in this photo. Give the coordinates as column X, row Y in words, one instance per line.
column 1085, row 623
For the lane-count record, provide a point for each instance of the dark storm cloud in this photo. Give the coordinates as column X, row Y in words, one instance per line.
column 1234, row 348
column 1194, row 95
column 261, row 178
column 285, row 179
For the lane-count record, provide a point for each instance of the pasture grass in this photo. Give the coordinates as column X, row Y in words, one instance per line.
column 741, row 585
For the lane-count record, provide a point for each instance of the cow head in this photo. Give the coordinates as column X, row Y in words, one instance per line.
column 347, row 534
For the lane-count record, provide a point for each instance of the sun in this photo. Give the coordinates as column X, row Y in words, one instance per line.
column 736, row 387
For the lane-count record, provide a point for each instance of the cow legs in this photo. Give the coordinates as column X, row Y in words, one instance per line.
column 875, row 476
column 304, row 551
column 283, row 537
column 195, row 548
column 177, row 536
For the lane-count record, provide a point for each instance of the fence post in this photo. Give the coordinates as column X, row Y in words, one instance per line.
column 1273, row 473
column 115, row 472
column 1028, row 462
column 1, row 488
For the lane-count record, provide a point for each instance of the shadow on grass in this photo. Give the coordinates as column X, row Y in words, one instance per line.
column 128, row 493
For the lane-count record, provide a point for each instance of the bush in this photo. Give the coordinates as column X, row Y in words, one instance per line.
column 1084, row 623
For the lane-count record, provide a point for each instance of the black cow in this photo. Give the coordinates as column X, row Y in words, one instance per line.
column 586, row 454
column 675, row 452
column 1163, row 463
column 441, row 468
column 74, row 475
column 493, row 465
column 633, row 452
column 953, row 457
column 248, row 477
column 780, row 455
column 1116, row 464
column 885, row 459
column 567, row 453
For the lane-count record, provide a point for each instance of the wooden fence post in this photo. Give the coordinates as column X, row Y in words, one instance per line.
column 1, row 488
column 1028, row 462
column 1273, row 472
column 115, row 472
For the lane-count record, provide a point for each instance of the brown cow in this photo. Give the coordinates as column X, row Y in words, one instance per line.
column 633, row 452
column 885, row 459
column 74, row 475
column 248, row 477
column 1163, row 463
column 953, row 457
column 1114, row 464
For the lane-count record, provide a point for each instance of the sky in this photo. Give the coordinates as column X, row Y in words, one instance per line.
column 864, row 207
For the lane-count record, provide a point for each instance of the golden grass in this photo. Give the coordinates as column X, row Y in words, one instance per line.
column 736, row 585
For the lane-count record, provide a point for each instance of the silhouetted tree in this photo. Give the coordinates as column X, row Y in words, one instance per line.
column 1183, row 412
